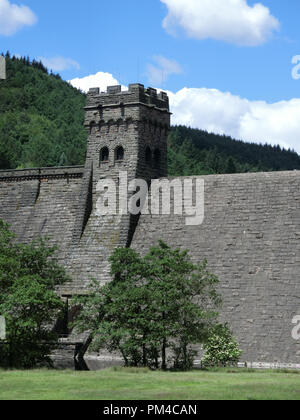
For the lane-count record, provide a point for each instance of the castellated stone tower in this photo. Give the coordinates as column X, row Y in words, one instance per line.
column 127, row 132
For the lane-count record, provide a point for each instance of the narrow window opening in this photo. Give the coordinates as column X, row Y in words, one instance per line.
column 148, row 156
column 120, row 154
column 157, row 158
column 104, row 155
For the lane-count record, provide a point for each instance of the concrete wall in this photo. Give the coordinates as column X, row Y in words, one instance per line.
column 251, row 239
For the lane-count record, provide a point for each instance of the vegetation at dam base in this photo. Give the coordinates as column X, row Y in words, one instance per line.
column 155, row 309
column 154, row 305
column 29, row 274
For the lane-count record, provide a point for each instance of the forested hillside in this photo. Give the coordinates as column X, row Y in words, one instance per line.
column 198, row 152
column 41, row 118
column 41, row 124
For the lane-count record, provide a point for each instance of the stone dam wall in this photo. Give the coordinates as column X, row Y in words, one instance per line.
column 251, row 239
column 41, row 202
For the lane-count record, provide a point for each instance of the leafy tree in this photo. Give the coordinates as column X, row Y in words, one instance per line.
column 182, row 293
column 28, row 277
column 114, row 313
column 221, row 348
column 155, row 307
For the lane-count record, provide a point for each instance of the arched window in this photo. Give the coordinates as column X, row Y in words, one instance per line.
column 157, row 158
column 148, row 156
column 119, row 153
column 104, row 155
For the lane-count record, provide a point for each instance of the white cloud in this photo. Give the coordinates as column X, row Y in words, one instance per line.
column 164, row 68
column 14, row 17
column 59, row 63
column 232, row 21
column 224, row 113
column 100, row 79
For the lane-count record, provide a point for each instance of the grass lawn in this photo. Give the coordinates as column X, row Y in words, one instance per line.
column 140, row 384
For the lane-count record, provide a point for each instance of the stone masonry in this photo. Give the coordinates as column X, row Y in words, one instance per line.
column 250, row 234
column 251, row 240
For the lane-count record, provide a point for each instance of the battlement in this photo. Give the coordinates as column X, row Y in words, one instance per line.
column 136, row 94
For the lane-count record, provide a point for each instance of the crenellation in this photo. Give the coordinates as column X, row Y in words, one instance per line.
column 113, row 90
column 136, row 94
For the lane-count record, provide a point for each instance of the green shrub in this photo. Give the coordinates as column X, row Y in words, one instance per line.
column 221, row 348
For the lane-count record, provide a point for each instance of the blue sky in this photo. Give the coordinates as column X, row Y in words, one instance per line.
column 227, row 64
